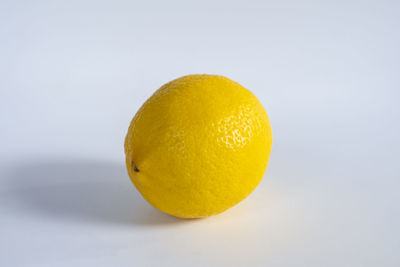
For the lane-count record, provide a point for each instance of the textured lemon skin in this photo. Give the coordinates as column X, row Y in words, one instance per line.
column 200, row 143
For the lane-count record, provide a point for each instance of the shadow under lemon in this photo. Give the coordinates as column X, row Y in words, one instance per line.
column 83, row 191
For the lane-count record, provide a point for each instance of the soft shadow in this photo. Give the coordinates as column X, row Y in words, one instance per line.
column 83, row 191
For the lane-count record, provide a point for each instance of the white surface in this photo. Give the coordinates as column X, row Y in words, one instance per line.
column 73, row 73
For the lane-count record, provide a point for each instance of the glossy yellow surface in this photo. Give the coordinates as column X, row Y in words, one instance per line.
column 198, row 146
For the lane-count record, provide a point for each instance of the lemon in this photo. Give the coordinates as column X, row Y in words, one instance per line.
column 198, row 146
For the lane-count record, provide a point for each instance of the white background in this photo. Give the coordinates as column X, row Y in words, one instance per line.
column 73, row 74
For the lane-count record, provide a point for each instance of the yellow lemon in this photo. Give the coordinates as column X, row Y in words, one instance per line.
column 198, row 146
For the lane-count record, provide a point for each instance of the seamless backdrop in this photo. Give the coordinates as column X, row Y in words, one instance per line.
column 73, row 74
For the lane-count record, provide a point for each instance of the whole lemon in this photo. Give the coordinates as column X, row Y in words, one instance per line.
column 198, row 146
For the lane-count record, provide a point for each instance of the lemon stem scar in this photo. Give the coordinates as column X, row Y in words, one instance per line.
column 135, row 169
